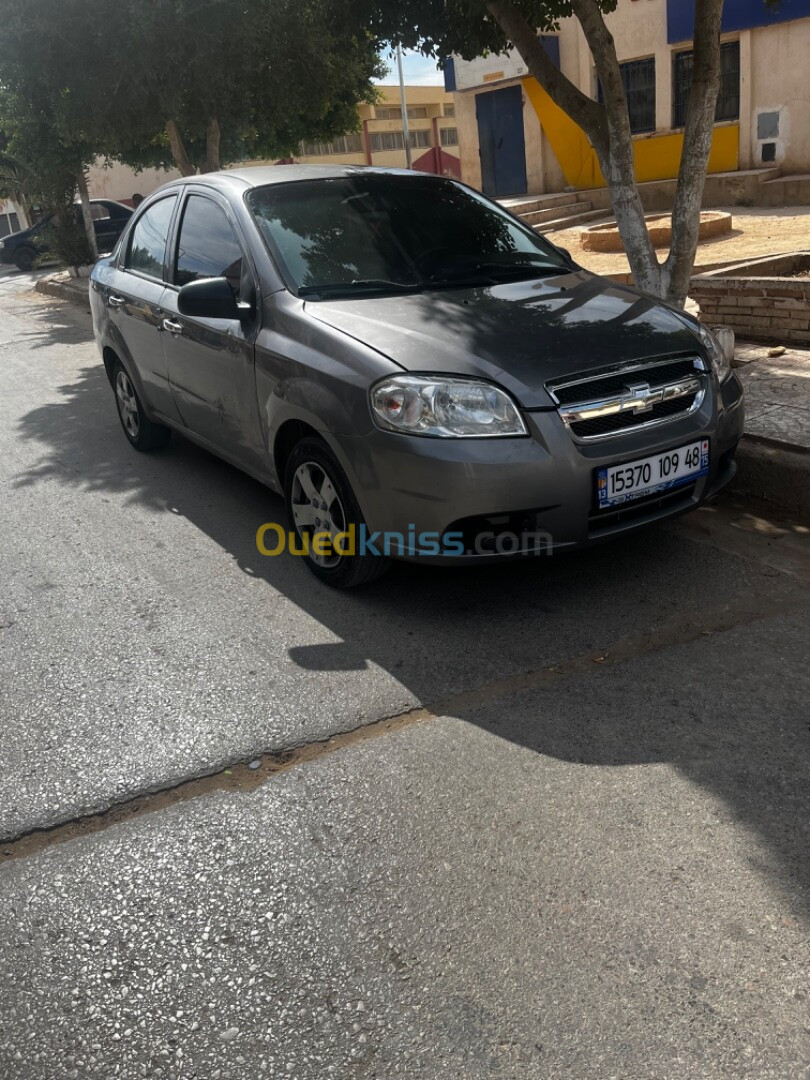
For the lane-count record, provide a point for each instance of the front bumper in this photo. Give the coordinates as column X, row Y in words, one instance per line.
column 410, row 485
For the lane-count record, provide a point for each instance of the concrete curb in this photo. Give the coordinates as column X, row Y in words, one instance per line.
column 74, row 290
column 776, row 474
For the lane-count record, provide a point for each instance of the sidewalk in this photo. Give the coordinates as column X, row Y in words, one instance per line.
column 774, row 456
column 777, row 391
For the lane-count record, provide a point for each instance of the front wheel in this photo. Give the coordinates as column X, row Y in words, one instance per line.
column 138, row 428
column 320, row 501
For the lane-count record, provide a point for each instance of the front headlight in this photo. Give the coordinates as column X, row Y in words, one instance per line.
column 444, row 406
column 719, row 342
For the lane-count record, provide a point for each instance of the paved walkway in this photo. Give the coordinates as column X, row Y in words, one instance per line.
column 777, row 394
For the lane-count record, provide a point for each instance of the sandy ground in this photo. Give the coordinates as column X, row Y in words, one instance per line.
column 755, row 231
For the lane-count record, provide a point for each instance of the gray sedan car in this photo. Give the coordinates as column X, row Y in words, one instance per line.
column 418, row 372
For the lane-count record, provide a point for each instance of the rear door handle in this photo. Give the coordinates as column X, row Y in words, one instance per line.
column 116, row 301
column 172, row 327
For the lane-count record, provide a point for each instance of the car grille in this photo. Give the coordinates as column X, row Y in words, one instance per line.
column 622, row 399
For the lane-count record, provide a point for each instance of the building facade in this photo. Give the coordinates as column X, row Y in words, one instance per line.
column 380, row 141
column 514, row 139
column 12, row 218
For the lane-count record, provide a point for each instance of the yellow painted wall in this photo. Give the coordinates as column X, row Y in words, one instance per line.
column 657, row 157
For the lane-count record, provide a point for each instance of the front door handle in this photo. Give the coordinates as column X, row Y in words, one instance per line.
column 116, row 301
column 172, row 327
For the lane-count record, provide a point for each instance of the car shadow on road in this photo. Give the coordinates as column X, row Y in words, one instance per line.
column 704, row 707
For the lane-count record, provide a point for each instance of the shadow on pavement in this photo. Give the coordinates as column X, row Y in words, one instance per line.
column 709, row 708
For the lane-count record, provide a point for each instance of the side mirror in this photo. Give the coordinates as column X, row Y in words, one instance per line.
column 209, row 298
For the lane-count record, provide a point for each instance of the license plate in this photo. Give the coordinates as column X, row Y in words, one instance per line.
column 621, row 483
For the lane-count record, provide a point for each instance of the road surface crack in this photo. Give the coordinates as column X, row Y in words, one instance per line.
column 248, row 775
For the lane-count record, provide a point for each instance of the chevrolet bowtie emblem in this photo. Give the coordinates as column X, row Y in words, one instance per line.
column 640, row 398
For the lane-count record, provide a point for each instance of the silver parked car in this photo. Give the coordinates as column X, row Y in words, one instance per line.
column 416, row 370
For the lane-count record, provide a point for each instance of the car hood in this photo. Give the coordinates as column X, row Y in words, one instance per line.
column 519, row 335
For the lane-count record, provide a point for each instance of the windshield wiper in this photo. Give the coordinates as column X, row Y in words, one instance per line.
column 536, row 269
column 493, row 273
column 359, row 285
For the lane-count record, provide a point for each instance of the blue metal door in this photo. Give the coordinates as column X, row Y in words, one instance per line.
column 500, row 140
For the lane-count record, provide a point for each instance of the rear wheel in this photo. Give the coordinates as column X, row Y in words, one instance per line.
column 24, row 258
column 320, row 501
column 138, row 428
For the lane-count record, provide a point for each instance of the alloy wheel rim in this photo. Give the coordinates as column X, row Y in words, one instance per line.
column 127, row 405
column 316, row 508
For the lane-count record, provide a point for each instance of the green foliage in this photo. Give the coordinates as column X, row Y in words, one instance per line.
column 440, row 28
column 271, row 72
column 65, row 241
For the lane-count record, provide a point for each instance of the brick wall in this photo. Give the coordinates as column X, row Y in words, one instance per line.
column 772, row 308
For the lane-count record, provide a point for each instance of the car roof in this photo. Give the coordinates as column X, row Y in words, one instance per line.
column 261, row 175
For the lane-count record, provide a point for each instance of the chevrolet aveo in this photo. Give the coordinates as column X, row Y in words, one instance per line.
column 417, row 371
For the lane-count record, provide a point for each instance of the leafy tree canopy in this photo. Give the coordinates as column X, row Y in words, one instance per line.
column 193, row 82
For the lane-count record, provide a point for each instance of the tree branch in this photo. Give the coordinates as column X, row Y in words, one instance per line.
column 582, row 109
column 178, row 148
column 697, row 143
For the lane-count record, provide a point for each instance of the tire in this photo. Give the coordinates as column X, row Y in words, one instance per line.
column 24, row 258
column 316, row 491
column 138, row 428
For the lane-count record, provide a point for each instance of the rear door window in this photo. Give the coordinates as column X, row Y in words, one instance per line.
column 146, row 252
column 207, row 246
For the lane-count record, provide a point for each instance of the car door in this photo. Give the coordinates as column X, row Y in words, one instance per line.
column 210, row 361
column 134, row 296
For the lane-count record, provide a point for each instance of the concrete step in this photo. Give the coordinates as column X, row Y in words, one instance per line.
column 790, row 190
column 526, row 204
column 552, row 213
column 571, row 221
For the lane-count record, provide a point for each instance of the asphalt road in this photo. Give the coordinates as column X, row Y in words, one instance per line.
column 548, row 820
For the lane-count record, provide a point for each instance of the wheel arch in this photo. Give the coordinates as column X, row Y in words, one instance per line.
column 289, row 434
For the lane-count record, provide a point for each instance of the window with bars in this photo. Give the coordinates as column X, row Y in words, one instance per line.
column 449, row 136
column 638, row 77
column 393, row 112
column 728, row 99
column 343, row 144
column 393, row 140
column 449, row 110
column 387, row 140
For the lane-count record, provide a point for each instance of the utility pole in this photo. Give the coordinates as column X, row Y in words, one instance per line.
column 406, row 135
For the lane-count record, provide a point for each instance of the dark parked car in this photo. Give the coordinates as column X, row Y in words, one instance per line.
column 414, row 368
column 110, row 218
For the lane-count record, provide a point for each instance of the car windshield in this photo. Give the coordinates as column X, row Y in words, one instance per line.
column 376, row 233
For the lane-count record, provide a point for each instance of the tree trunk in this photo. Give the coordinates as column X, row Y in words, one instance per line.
column 697, row 143
column 617, row 158
column 608, row 129
column 87, row 215
column 22, row 209
column 213, row 136
column 178, row 149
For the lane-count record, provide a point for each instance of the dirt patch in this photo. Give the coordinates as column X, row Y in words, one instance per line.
column 757, row 231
